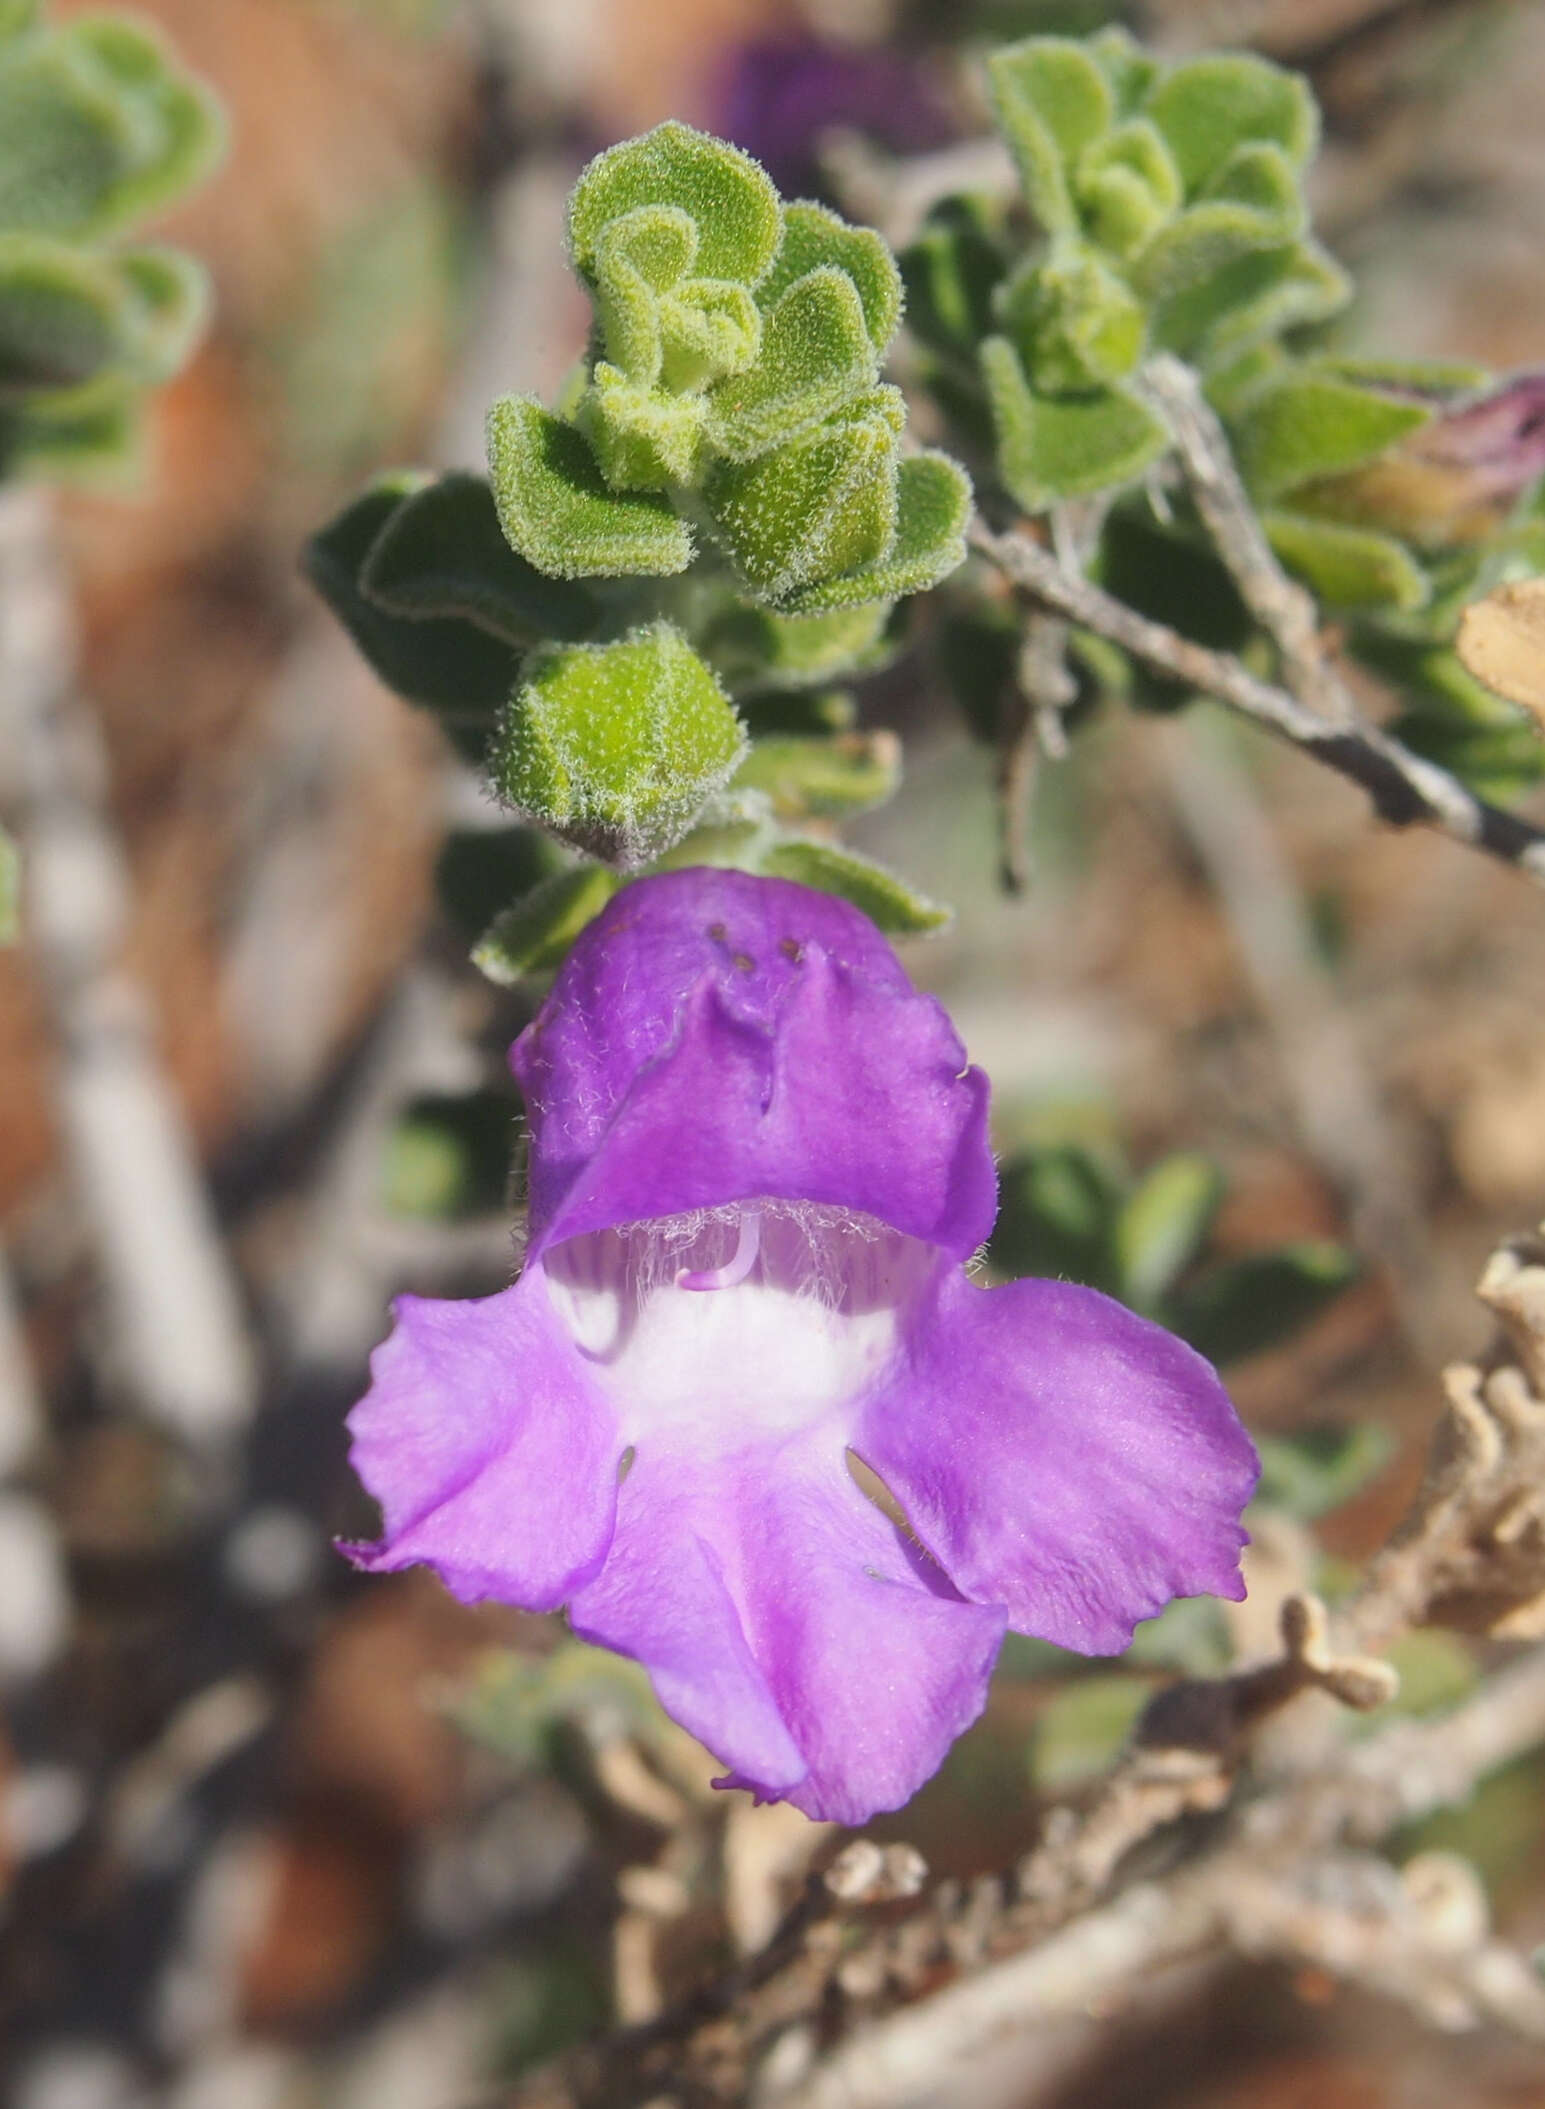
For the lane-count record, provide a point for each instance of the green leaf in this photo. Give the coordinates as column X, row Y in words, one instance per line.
column 644, row 439
column 888, row 901
column 1212, row 236
column 1084, row 1726
column 1209, row 107
column 816, row 355
column 1311, row 424
column 440, row 552
column 1162, row 1225
column 481, row 870
column 821, row 504
column 448, row 1158
column 1435, row 377
column 1127, row 187
column 87, row 433
column 813, row 239
column 535, row 935
column 168, row 306
column 638, row 256
column 730, row 200
column 709, row 327
column 451, row 667
column 64, row 314
column 1247, row 1305
column 1052, row 102
column 1254, row 296
column 98, row 126
column 807, row 779
column 16, row 16
column 1055, row 447
column 10, row 888
column 933, row 510
column 557, row 510
column 1057, row 1206
column 753, row 647
column 1347, row 567
column 616, row 748
column 1075, row 323
column 951, row 272
column 1130, row 69
column 1319, row 1469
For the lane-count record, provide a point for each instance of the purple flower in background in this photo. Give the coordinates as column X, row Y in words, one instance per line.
column 759, row 1163
column 780, row 98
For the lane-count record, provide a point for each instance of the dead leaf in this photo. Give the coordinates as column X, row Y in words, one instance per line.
column 1502, row 642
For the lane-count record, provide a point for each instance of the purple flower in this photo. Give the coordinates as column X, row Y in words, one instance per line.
column 759, row 1163
column 780, row 98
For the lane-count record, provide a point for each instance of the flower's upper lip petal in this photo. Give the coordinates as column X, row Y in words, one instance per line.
column 493, row 1455
column 856, row 1097
column 789, row 1625
column 1062, row 1456
column 839, row 1081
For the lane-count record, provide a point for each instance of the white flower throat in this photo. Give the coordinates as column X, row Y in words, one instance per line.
column 731, row 1325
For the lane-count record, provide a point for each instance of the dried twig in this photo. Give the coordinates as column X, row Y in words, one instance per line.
column 1405, row 789
column 1284, row 610
column 177, row 1329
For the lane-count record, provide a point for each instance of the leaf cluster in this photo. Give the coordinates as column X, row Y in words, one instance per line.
column 1163, row 211
column 99, row 128
column 714, row 526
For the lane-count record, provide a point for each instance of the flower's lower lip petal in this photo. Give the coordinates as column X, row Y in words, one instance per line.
column 490, row 1450
column 789, row 1625
column 1061, row 1456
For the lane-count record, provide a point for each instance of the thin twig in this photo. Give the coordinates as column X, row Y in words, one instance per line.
column 178, row 1336
column 1405, row 789
column 1279, row 604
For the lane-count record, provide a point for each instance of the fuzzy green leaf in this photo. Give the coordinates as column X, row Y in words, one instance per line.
column 451, row 667
column 1052, row 101
column 730, row 200
column 1250, row 1304
column 617, row 747
column 1312, row 424
column 814, row 238
column 809, row 779
column 1076, row 324
column 752, row 647
column 98, row 126
column 168, row 305
column 64, row 314
column 821, row 504
column 441, row 553
column 86, row 433
column 709, row 328
column 1127, row 187
column 1347, row 567
column 558, row 512
column 534, row 936
column 1210, row 106
column 1130, row 69
column 1163, row 1224
column 1256, row 295
column 889, row 902
column 933, row 510
column 951, row 273
column 1055, row 447
column 644, row 439
column 1256, row 204
column 816, row 355
column 639, row 255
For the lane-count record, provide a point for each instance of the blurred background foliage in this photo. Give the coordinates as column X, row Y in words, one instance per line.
column 276, row 1838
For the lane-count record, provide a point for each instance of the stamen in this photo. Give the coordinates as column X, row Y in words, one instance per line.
column 747, row 1246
